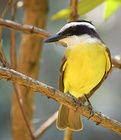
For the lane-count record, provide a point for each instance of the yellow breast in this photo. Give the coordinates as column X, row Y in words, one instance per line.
column 85, row 67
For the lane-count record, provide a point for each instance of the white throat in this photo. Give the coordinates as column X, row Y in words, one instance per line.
column 72, row 40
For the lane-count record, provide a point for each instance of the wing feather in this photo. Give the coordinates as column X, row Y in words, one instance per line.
column 61, row 74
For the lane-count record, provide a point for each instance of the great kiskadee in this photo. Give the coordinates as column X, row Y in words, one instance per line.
column 85, row 65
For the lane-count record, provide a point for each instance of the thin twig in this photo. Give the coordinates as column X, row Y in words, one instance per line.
column 20, row 102
column 14, row 10
column 3, row 59
column 3, row 15
column 13, row 65
column 27, row 29
column 2, row 56
column 46, row 125
column 116, row 63
column 60, row 97
column 6, row 8
column 73, row 10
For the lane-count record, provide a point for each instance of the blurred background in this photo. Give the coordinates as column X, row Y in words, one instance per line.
column 106, row 100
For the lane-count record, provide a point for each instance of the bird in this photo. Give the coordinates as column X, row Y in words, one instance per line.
column 85, row 65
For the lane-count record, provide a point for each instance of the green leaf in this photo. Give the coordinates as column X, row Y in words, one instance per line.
column 111, row 7
column 64, row 13
column 84, row 6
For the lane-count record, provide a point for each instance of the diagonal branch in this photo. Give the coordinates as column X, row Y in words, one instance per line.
column 3, row 15
column 60, row 97
column 6, row 8
column 20, row 102
column 46, row 125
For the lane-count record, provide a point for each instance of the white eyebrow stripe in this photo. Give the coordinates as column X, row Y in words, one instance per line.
column 75, row 24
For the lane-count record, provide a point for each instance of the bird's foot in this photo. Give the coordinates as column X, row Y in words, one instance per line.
column 92, row 112
column 76, row 101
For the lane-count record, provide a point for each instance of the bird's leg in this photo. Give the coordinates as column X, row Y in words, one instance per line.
column 89, row 104
column 90, row 107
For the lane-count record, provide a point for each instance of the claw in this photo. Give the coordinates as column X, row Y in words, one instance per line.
column 92, row 113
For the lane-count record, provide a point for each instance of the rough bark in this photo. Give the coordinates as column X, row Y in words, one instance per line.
column 28, row 63
column 60, row 97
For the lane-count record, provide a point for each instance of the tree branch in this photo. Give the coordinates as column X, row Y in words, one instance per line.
column 13, row 38
column 116, row 62
column 20, row 102
column 42, row 33
column 27, row 29
column 46, row 125
column 60, row 97
column 13, row 65
column 6, row 8
column 24, row 28
column 3, row 15
column 3, row 59
column 73, row 10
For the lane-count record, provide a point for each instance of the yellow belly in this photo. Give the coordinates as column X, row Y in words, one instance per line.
column 84, row 68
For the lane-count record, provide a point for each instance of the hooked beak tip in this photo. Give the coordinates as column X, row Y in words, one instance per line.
column 46, row 41
column 53, row 38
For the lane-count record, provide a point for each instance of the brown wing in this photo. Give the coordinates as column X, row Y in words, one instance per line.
column 61, row 74
column 109, row 62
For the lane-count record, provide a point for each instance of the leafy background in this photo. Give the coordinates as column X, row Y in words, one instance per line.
column 84, row 6
column 106, row 100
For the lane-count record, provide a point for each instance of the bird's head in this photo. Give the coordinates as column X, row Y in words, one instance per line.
column 76, row 32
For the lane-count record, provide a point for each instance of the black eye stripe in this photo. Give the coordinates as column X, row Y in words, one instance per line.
column 78, row 30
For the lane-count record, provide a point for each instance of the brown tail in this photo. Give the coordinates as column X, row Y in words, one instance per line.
column 68, row 118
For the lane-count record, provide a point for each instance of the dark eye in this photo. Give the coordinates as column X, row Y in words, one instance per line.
column 70, row 28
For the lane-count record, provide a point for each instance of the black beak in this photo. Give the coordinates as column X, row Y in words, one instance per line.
column 54, row 38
